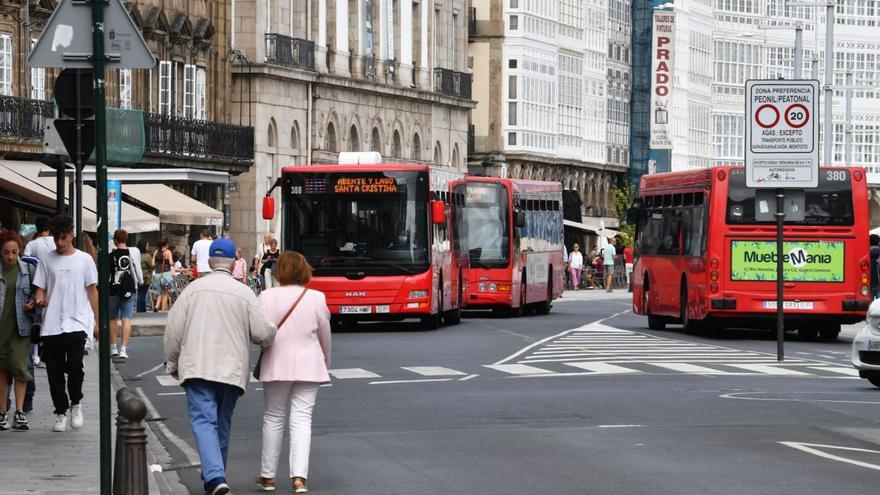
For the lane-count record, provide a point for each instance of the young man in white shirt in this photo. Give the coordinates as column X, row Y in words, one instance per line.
column 66, row 283
column 42, row 243
column 200, row 253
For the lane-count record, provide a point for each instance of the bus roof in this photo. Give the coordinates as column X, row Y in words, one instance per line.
column 522, row 185
column 694, row 179
column 379, row 167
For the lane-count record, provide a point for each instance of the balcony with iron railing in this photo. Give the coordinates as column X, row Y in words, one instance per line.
column 452, row 83
column 23, row 118
column 290, row 52
column 192, row 138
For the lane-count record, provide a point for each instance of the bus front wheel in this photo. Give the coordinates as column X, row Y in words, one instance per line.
column 654, row 322
column 453, row 316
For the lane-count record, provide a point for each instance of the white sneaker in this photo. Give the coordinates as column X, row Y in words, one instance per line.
column 76, row 416
column 123, row 353
column 113, row 350
column 60, row 423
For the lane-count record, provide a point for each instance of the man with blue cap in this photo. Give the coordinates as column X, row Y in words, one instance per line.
column 207, row 336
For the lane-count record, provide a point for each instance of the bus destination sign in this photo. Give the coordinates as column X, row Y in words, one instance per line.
column 365, row 185
column 782, row 138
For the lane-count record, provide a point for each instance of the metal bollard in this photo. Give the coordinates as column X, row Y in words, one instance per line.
column 130, row 465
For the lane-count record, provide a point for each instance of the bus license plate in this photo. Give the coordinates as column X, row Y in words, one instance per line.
column 383, row 309
column 358, row 310
column 789, row 305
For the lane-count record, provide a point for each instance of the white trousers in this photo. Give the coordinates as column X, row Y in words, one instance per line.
column 290, row 403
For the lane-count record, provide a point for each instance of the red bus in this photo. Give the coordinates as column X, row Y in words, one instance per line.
column 707, row 252
column 381, row 239
column 515, row 244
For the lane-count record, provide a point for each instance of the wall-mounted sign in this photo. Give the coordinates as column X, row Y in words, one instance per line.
column 663, row 41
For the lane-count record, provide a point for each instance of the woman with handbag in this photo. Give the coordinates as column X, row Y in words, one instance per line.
column 16, row 308
column 293, row 368
column 163, row 277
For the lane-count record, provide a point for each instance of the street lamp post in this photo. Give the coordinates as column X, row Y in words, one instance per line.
column 798, row 44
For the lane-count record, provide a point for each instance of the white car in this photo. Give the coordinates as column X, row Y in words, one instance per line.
column 866, row 346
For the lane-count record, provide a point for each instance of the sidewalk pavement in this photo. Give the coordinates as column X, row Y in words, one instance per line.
column 594, row 295
column 148, row 324
column 42, row 461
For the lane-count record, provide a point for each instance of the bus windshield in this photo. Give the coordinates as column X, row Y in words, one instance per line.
column 373, row 223
column 487, row 227
column 829, row 204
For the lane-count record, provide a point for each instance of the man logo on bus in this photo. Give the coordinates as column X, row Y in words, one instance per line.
column 798, row 257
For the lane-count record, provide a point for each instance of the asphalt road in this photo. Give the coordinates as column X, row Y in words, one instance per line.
column 577, row 402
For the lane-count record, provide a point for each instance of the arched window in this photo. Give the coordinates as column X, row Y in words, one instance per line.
column 354, row 141
column 376, row 141
column 417, row 147
column 271, row 134
column 396, row 150
column 331, row 138
column 438, row 154
column 455, row 156
column 294, row 135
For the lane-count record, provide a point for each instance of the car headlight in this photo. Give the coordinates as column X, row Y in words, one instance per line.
column 417, row 294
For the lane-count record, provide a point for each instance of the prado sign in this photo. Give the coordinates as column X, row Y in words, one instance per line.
column 662, row 44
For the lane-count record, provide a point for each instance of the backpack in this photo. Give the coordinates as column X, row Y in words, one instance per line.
column 122, row 281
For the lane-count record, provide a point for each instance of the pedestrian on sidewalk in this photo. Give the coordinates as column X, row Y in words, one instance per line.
column 66, row 286
column 200, row 254
column 16, row 319
column 575, row 265
column 268, row 264
column 239, row 269
column 207, row 335
column 608, row 254
column 163, row 276
column 125, row 278
column 292, row 368
column 628, row 265
column 147, row 273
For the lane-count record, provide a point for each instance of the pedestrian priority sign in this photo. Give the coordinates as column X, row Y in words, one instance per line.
column 782, row 136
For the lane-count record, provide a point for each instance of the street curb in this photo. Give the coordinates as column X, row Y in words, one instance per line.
column 147, row 330
column 161, row 482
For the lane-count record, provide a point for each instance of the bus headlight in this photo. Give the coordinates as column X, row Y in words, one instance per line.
column 865, row 290
column 493, row 288
column 417, row 294
column 482, row 287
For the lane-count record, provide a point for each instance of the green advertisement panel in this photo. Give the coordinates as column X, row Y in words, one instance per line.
column 803, row 261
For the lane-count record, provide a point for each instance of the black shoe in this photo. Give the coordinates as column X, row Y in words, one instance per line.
column 20, row 422
column 4, row 421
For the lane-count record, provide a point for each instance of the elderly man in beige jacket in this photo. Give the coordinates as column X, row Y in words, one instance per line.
column 207, row 336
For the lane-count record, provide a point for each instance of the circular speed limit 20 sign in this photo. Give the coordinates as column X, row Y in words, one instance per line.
column 782, row 136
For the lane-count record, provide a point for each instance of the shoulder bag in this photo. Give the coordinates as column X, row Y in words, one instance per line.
column 280, row 324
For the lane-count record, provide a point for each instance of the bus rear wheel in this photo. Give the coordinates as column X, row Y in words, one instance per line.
column 830, row 332
column 691, row 327
column 543, row 307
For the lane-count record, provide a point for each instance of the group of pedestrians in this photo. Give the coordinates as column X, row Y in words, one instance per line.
column 48, row 298
column 602, row 261
column 207, row 336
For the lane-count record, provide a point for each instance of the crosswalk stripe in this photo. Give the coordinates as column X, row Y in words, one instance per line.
column 349, row 373
column 602, row 368
column 518, row 369
column 167, row 380
column 689, row 368
column 842, row 371
column 433, row 371
column 768, row 369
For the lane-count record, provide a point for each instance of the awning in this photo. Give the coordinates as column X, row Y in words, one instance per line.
column 24, row 179
column 579, row 226
column 597, row 225
column 172, row 206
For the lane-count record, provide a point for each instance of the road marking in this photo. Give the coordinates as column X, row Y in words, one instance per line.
column 167, row 380
column 433, row 371
column 621, row 426
column 348, row 373
column 468, row 378
column 768, row 369
column 842, row 371
column 426, row 380
column 690, row 368
column 191, row 455
column 808, row 448
column 163, row 394
column 739, row 396
column 518, row 369
column 602, row 368
column 154, row 368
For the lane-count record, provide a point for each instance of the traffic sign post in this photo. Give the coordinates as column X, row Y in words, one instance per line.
column 781, row 152
column 66, row 44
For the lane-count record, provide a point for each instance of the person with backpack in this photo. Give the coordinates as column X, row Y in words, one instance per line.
column 125, row 278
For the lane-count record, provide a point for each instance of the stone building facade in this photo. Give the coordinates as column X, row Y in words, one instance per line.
column 542, row 85
column 319, row 77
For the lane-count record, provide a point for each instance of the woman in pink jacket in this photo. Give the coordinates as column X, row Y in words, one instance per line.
column 292, row 368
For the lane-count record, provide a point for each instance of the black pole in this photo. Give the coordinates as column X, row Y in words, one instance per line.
column 78, row 164
column 98, row 80
column 60, row 188
column 780, row 268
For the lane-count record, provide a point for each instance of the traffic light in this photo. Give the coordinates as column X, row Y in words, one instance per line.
column 75, row 124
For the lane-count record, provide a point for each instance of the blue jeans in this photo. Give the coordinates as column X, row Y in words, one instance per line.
column 142, row 298
column 210, row 406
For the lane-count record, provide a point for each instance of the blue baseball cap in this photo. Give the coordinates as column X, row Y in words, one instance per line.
column 222, row 247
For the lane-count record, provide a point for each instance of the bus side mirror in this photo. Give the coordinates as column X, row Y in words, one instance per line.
column 519, row 218
column 438, row 212
column 268, row 207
